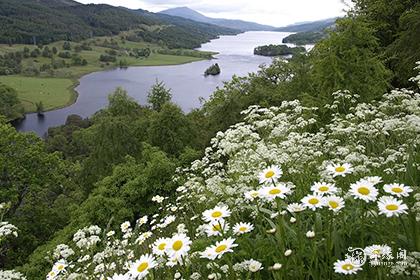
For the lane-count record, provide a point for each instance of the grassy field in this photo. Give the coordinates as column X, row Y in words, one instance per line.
column 56, row 90
column 52, row 92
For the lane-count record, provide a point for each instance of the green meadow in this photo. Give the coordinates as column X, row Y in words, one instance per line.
column 56, row 90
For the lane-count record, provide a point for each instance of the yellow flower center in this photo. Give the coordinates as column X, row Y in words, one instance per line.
column 364, row 190
column 254, row 194
column 313, row 201
column 397, row 190
column 217, row 227
column 347, row 266
column 216, row 214
column 142, row 267
column 269, row 174
column 162, row 246
column 333, row 204
column 60, row 267
column 242, row 229
column 391, row 207
column 340, row 169
column 324, row 189
column 274, row 191
column 376, row 252
column 177, row 245
column 220, row 248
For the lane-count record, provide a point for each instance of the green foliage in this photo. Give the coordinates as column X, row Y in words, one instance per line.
column 396, row 26
column 404, row 51
column 159, row 95
column 169, row 130
column 278, row 50
column 348, row 60
column 28, row 21
column 305, row 38
column 10, row 106
column 37, row 185
column 39, row 107
column 213, row 70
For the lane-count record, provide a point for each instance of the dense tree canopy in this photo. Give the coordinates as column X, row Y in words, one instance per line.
column 10, row 105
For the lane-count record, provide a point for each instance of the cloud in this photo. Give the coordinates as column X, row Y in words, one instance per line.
column 273, row 12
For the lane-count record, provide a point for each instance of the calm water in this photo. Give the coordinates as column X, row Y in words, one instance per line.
column 186, row 81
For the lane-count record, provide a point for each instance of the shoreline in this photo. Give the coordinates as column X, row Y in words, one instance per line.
column 74, row 94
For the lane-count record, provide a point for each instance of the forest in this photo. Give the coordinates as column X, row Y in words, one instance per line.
column 46, row 21
column 224, row 192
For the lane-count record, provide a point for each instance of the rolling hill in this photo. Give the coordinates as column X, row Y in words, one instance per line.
column 188, row 13
column 314, row 26
column 46, row 21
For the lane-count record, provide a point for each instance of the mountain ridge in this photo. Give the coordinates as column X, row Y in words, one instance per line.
column 311, row 26
column 242, row 25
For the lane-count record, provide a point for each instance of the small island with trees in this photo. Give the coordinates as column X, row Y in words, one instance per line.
column 277, row 50
column 213, row 70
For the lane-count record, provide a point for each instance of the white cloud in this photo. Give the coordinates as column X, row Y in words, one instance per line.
column 273, row 12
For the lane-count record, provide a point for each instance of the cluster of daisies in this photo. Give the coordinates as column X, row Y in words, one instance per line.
column 235, row 197
column 326, row 194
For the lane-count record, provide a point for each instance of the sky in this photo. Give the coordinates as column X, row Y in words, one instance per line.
column 272, row 12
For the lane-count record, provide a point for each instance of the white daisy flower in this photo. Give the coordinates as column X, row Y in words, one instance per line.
column 346, row 267
column 363, row 190
column 251, row 195
column 270, row 174
column 399, row 190
column 119, row 277
column 52, row 275
column 125, row 226
column 323, row 188
column 295, row 207
column 241, row 228
column 376, row 252
column 178, row 246
column 310, row 234
column 217, row 251
column 160, row 245
column 140, row 268
column 254, row 266
column 216, row 214
column 312, row 201
column 272, row 192
column 390, row 206
column 374, row 179
column 60, row 266
column 216, row 228
column 339, row 169
column 333, row 202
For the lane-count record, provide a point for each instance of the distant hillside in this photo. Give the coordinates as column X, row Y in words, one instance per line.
column 46, row 21
column 182, row 33
column 188, row 13
column 315, row 26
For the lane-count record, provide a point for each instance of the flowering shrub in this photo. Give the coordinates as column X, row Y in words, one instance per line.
column 7, row 230
column 279, row 196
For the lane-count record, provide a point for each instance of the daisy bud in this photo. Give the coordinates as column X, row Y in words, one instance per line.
column 288, row 253
column 271, row 231
column 177, row 275
column 276, row 266
column 310, row 234
column 293, row 220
